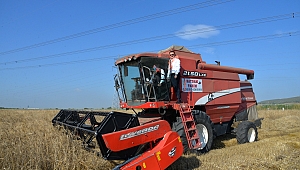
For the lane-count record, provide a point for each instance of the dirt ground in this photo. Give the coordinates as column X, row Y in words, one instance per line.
column 29, row 141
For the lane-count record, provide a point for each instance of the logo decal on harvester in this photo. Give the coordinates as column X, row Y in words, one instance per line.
column 191, row 85
column 172, row 152
column 139, row 132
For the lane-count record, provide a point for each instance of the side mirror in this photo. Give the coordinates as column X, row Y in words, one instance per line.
column 250, row 76
column 117, row 86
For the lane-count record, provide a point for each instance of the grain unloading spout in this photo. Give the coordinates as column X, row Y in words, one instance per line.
column 248, row 73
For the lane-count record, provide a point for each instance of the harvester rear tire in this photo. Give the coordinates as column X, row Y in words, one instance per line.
column 246, row 132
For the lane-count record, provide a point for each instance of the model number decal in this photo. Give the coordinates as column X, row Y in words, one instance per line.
column 193, row 73
column 139, row 132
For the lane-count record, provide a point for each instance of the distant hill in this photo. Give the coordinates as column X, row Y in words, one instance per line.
column 281, row 101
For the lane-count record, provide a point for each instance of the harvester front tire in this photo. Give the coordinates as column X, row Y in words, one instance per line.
column 206, row 131
column 246, row 132
column 178, row 127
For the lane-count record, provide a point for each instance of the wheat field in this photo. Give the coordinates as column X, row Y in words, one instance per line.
column 29, row 141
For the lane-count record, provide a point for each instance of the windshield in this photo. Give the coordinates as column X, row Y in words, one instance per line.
column 145, row 80
column 132, row 83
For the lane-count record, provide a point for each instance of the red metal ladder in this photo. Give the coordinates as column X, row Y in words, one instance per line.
column 189, row 126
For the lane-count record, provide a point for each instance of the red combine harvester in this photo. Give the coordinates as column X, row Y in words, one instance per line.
column 214, row 102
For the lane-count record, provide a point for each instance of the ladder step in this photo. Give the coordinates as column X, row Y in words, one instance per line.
column 188, row 120
column 197, row 146
column 194, row 138
column 191, row 129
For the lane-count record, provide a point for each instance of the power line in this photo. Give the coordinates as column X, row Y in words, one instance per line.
column 277, row 69
column 49, row 90
column 61, row 63
column 122, row 24
column 259, row 38
column 75, row 77
column 67, row 79
column 195, row 31
column 273, row 36
column 286, row 55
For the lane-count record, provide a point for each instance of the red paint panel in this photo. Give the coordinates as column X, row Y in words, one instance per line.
column 222, row 113
column 248, row 96
column 136, row 136
column 208, row 85
column 220, row 85
column 225, row 75
column 168, row 150
column 228, row 99
column 146, row 105
column 147, row 163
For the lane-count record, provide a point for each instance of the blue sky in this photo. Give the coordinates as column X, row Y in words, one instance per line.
column 60, row 54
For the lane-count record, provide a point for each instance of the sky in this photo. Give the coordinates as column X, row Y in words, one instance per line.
column 60, row 54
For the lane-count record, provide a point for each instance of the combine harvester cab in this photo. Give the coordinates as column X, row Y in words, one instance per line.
column 120, row 136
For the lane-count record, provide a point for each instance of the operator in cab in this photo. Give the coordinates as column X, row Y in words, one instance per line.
column 174, row 73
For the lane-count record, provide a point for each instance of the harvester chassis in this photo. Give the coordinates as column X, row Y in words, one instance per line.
column 215, row 101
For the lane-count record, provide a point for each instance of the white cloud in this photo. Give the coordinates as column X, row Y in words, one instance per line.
column 78, row 90
column 279, row 32
column 209, row 50
column 191, row 32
